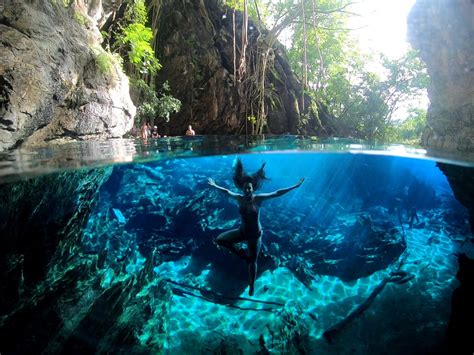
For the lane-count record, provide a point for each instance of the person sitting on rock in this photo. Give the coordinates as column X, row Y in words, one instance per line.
column 249, row 208
column 154, row 133
column 190, row 131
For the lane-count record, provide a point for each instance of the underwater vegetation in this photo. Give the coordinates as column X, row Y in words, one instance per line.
column 360, row 258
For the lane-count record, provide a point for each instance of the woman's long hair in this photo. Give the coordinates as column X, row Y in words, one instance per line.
column 241, row 177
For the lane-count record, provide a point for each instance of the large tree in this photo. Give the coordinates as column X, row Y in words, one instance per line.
column 324, row 53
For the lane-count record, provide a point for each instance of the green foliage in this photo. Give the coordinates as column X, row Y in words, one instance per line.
column 167, row 104
column 65, row 3
column 374, row 100
column 365, row 110
column 133, row 40
column 138, row 12
column 105, row 35
column 106, row 62
column 153, row 106
column 362, row 101
column 409, row 131
column 255, row 7
column 81, row 19
column 137, row 37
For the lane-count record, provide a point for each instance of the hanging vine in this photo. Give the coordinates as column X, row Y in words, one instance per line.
column 234, row 47
column 255, row 59
column 321, row 72
column 244, row 38
column 264, row 54
column 305, row 54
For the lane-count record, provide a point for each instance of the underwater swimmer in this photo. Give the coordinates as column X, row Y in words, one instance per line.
column 249, row 208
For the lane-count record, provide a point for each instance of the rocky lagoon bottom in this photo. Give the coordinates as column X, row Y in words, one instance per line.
column 109, row 248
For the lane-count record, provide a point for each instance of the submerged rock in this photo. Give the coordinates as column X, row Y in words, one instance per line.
column 356, row 250
column 461, row 180
column 442, row 32
column 74, row 277
column 40, row 220
column 57, row 297
column 462, row 309
column 56, row 82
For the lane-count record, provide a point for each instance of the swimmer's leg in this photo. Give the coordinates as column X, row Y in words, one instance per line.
column 254, row 250
column 229, row 239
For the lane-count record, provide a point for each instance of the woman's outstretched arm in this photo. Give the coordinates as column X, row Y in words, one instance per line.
column 212, row 183
column 279, row 192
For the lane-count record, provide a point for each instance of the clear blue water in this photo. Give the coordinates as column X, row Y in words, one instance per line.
column 27, row 162
column 155, row 274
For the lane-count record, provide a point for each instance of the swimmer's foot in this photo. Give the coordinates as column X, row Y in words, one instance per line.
column 251, row 291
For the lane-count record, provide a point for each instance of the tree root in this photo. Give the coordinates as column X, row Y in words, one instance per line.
column 399, row 277
column 217, row 298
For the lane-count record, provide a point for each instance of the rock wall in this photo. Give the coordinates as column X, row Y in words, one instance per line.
column 462, row 309
column 443, row 31
column 195, row 45
column 37, row 218
column 56, row 82
column 51, row 289
column 461, row 180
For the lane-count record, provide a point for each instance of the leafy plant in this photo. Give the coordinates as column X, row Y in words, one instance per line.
column 153, row 106
column 134, row 38
column 410, row 130
column 256, row 8
column 106, row 61
column 333, row 71
column 65, row 3
column 137, row 37
column 80, row 18
column 252, row 119
column 167, row 104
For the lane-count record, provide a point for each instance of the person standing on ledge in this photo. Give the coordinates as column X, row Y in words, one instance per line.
column 144, row 130
column 190, row 131
column 249, row 208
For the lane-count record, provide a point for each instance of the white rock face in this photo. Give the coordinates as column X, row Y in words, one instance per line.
column 443, row 32
column 56, row 82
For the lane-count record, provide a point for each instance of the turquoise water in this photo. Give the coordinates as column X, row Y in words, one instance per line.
column 123, row 258
column 28, row 162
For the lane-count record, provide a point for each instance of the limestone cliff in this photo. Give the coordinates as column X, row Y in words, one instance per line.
column 443, row 31
column 51, row 289
column 194, row 42
column 56, row 82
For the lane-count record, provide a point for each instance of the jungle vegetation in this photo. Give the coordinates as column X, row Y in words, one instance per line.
column 322, row 51
column 132, row 37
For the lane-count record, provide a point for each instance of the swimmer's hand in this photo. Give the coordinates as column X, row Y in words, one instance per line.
column 300, row 182
column 211, row 182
